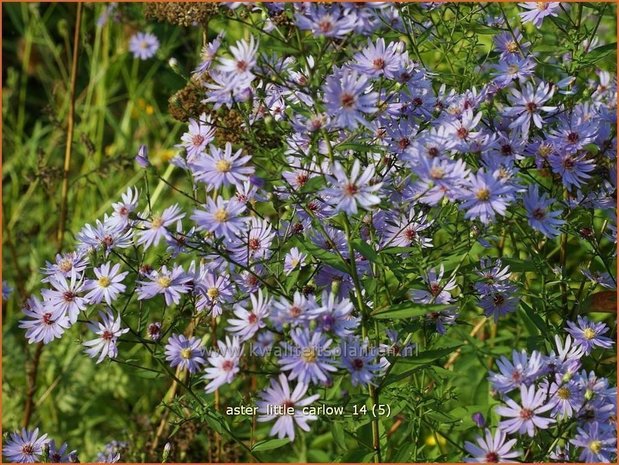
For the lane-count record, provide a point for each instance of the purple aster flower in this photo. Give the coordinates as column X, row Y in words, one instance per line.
column 360, row 362
column 310, row 358
column 478, row 419
column 243, row 58
column 59, row 454
column 500, row 302
column 108, row 330
column 335, row 316
column 513, row 68
column 601, row 278
column 574, row 168
column 221, row 217
column 65, row 265
column 143, row 45
column 347, row 193
column 294, row 260
column 541, row 218
column 6, row 290
column 25, row 447
column 378, row 60
column 442, row 319
column 224, row 364
column 295, row 313
column 485, row 196
column 348, row 96
column 407, row 230
column 510, row 44
column 527, row 417
column 277, row 401
column 107, row 286
column 247, row 323
column 214, row 290
column 263, row 344
column 494, row 275
column 65, row 297
column 566, row 360
column 527, row 104
column 537, row 11
column 123, row 209
column 228, row 88
column 491, row 449
column 186, row 353
column 170, row 283
column 519, row 371
column 107, row 235
column 46, row 323
column 588, row 334
column 222, row 168
column 207, row 55
column 154, row 331
column 566, row 397
column 254, row 243
column 598, row 443
column 437, row 292
column 201, row 133
column 325, row 20
column 439, row 178
column 142, row 157
column 156, row 229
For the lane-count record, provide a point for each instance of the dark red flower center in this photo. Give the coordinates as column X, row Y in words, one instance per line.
column 357, row 364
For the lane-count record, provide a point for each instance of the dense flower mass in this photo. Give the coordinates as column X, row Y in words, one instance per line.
column 352, row 223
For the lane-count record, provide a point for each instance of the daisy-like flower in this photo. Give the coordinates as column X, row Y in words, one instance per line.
column 566, row 397
column 224, row 364
column 407, row 230
column 170, row 283
column 589, row 334
column 201, row 133
column 510, row 45
column 437, row 292
column 294, row 260
column 347, row 97
column 325, row 20
column 309, row 359
column 154, row 331
column 514, row 68
column 439, row 178
column 597, row 441
column 207, row 55
column 243, row 58
column 253, row 244
column 378, row 60
column 156, row 228
column 566, row 359
column 214, row 291
column 65, row 264
column 142, row 157
column 46, row 323
column 143, row 45
column 25, row 447
column 66, row 295
column 186, row 353
column 360, row 361
column 221, row 217
column 335, row 316
column 491, row 448
column 247, row 323
column 527, row 105
column 485, row 196
column 500, row 302
column 574, row 168
column 527, row 417
column 519, row 371
column 537, row 11
column 277, row 401
column 348, row 192
column 295, row 313
column 108, row 330
column 59, row 454
column 541, row 218
column 106, row 235
column 222, row 168
column 107, row 286
column 123, row 209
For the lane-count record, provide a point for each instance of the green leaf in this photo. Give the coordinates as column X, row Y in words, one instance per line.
column 269, row 444
column 365, row 249
column 408, row 310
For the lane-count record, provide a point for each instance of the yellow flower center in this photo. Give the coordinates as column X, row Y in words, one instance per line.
column 589, row 333
column 563, row 393
column 212, row 293
column 512, row 47
column 65, row 266
column 221, row 215
column 223, row 166
column 164, row 281
column 104, row 281
column 309, row 355
column 437, row 173
column 294, row 262
column 483, row 194
column 595, row 446
column 157, row 222
column 186, row 353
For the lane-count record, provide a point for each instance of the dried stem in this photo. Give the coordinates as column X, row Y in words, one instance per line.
column 70, row 124
column 31, row 375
